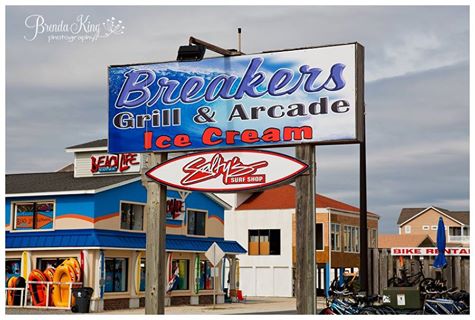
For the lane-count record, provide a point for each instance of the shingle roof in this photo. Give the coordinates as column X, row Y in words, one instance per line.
column 283, row 197
column 91, row 144
column 84, row 238
column 58, row 182
column 408, row 213
column 386, row 241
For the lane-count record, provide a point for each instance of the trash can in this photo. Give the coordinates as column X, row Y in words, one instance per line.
column 83, row 299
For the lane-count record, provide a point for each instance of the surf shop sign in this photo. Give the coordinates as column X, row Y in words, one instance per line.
column 288, row 97
column 227, row 170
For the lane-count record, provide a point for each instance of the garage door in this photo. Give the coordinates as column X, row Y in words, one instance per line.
column 264, row 282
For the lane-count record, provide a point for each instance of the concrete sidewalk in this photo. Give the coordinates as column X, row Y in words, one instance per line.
column 252, row 305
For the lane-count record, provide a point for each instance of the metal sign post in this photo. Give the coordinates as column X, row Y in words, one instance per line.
column 214, row 255
column 305, row 231
column 155, row 262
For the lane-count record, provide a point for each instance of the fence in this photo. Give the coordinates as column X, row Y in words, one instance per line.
column 382, row 266
column 26, row 301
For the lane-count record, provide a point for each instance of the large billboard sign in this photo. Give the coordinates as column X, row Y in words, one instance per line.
column 291, row 97
column 227, row 170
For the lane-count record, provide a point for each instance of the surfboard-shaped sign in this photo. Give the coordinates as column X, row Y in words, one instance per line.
column 227, row 171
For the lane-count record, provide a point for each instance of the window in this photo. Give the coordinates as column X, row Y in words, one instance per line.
column 407, row 229
column 351, row 239
column 205, row 278
column 425, row 228
column 434, row 227
column 12, row 268
column 319, row 236
column 264, row 242
column 196, row 222
column 131, row 216
column 33, row 215
column 335, row 237
column 45, row 263
column 183, row 274
column 142, row 274
column 116, row 274
column 373, row 238
column 455, row 231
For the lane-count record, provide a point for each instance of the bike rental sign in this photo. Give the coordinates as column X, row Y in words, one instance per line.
column 216, row 105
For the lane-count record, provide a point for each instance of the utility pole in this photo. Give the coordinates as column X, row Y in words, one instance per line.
column 305, row 232
column 155, row 217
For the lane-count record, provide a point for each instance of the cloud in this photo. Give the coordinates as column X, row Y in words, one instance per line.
column 417, row 94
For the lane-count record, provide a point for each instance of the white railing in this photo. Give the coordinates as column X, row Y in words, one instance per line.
column 459, row 239
column 22, row 295
column 26, row 294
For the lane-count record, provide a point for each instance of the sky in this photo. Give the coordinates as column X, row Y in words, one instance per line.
column 416, row 88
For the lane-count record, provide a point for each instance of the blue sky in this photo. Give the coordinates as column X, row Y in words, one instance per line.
column 416, row 70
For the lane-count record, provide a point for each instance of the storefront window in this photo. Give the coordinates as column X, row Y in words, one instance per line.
column 264, row 242
column 142, row 274
column 12, row 268
column 45, row 263
column 131, row 216
column 205, row 278
column 319, row 236
column 335, row 237
column 196, row 222
column 33, row 215
column 116, row 274
column 183, row 274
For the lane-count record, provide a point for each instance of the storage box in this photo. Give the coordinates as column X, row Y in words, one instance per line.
column 403, row 297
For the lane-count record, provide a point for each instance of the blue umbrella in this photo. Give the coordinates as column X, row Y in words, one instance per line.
column 440, row 261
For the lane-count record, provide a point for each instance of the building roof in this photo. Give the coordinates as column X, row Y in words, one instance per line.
column 99, row 238
column 67, row 168
column 408, row 213
column 59, row 182
column 91, row 144
column 386, row 241
column 283, row 197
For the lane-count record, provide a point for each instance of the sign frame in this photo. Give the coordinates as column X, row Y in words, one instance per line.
column 358, row 100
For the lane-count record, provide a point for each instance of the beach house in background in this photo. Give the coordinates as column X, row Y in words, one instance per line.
column 423, row 221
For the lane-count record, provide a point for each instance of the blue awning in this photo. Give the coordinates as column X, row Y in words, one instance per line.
column 99, row 238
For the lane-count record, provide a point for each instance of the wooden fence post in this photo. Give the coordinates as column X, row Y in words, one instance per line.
column 390, row 267
column 375, row 271
column 383, row 271
column 458, row 272
column 466, row 274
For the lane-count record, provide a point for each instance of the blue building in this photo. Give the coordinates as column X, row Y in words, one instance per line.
column 93, row 210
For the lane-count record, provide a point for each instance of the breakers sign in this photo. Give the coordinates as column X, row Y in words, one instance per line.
column 226, row 171
column 280, row 98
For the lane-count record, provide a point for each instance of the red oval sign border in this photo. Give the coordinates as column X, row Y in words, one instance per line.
column 280, row 155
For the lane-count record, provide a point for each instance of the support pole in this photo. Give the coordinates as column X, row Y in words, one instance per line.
column 155, row 262
column 363, row 271
column 305, row 290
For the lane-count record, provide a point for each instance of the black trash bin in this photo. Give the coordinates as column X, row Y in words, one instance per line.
column 83, row 299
